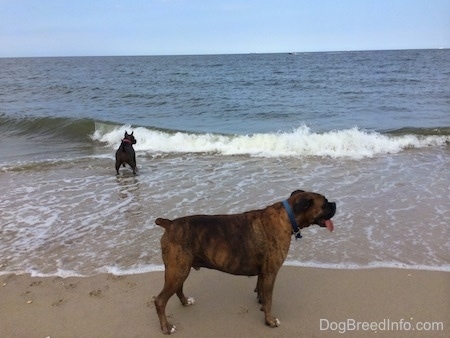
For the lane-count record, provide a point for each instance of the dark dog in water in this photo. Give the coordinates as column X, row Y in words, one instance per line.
column 125, row 153
column 253, row 243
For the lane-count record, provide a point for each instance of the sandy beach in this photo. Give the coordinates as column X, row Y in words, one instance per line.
column 309, row 302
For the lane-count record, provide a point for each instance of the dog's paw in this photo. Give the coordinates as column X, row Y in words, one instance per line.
column 274, row 322
column 169, row 329
column 190, row 301
column 173, row 329
column 186, row 301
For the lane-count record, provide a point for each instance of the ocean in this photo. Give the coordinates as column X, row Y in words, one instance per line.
column 218, row 134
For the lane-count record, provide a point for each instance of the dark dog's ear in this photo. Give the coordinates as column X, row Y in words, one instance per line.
column 126, row 134
column 296, row 192
column 302, row 204
column 132, row 133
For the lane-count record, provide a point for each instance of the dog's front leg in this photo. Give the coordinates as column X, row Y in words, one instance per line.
column 267, row 282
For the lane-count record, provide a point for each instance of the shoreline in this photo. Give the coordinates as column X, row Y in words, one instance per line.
column 287, row 264
column 310, row 302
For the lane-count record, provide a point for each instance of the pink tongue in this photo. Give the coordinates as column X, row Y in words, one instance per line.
column 329, row 224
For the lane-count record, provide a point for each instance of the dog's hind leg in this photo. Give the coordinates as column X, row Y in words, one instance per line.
column 133, row 166
column 175, row 275
column 117, row 167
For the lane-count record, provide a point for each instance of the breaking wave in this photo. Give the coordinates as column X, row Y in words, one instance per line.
column 347, row 143
column 300, row 142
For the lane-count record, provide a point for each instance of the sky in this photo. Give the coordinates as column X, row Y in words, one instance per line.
column 31, row 28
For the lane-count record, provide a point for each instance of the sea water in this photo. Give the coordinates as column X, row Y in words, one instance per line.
column 224, row 134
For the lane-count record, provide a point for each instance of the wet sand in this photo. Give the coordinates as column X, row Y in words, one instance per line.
column 309, row 302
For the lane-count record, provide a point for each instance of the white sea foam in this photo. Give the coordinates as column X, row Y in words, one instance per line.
column 347, row 143
column 370, row 265
column 81, row 219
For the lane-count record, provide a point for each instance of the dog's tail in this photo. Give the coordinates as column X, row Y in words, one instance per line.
column 163, row 222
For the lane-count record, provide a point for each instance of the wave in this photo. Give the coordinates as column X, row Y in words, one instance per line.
column 48, row 127
column 348, row 143
column 441, row 131
column 302, row 141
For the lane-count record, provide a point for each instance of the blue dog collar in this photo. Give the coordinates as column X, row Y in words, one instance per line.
column 295, row 228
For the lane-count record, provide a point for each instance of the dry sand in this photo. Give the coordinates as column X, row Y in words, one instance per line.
column 309, row 303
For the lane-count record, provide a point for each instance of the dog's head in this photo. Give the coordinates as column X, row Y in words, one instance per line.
column 312, row 208
column 130, row 137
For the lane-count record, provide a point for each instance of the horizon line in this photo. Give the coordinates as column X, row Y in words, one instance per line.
column 235, row 53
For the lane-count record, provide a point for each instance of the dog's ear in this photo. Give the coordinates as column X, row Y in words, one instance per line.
column 296, row 192
column 126, row 134
column 302, row 204
column 132, row 133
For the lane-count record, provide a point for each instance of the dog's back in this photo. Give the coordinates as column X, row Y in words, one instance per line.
column 126, row 153
column 230, row 243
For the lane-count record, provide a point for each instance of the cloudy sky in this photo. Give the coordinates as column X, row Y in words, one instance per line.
column 166, row 27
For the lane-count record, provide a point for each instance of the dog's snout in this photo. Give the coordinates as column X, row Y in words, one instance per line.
column 332, row 206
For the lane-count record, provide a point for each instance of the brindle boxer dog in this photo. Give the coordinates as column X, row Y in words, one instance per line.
column 254, row 243
column 125, row 153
